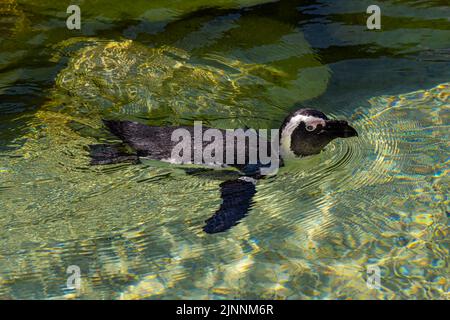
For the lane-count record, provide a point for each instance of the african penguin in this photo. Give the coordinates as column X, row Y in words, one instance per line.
column 304, row 132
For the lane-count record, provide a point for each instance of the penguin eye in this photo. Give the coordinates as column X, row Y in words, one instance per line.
column 310, row 128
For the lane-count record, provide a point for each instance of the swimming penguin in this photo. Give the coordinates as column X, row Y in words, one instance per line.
column 304, row 132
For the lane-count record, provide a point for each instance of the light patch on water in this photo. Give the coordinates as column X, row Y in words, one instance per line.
column 129, row 79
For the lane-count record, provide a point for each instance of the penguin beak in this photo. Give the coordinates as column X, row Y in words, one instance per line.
column 340, row 129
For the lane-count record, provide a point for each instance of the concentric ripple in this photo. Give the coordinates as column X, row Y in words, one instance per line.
column 398, row 138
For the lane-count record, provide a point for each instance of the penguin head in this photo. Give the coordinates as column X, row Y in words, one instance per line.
column 306, row 132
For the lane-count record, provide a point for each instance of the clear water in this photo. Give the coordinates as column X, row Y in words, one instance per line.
column 135, row 230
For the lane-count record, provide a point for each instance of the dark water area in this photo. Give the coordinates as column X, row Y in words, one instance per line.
column 409, row 53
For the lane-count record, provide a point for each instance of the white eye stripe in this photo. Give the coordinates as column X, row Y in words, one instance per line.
column 312, row 123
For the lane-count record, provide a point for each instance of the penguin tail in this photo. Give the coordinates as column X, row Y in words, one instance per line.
column 116, row 127
column 110, row 154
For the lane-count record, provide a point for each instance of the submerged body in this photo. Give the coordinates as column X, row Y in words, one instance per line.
column 198, row 145
column 304, row 132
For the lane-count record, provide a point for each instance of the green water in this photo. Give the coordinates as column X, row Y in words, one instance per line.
column 135, row 231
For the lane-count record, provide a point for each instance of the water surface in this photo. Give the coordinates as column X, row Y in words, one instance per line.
column 135, row 231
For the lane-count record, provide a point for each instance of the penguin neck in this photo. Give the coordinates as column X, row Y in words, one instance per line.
column 286, row 136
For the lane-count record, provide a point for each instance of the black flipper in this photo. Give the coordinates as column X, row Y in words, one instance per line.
column 110, row 153
column 236, row 201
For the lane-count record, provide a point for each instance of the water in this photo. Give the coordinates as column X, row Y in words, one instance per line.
column 135, row 231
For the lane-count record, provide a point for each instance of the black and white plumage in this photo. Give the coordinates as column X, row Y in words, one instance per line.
column 304, row 132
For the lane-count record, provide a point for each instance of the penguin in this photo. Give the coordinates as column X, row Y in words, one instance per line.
column 304, row 132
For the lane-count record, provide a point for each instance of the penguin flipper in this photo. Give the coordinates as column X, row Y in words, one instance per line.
column 236, row 202
column 110, row 154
